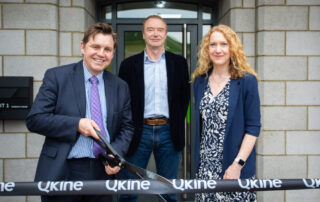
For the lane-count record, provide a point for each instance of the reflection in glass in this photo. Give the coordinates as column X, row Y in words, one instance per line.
column 206, row 13
column 205, row 29
column 107, row 12
column 162, row 8
column 134, row 43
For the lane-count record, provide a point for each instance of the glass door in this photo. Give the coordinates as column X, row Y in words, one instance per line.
column 181, row 40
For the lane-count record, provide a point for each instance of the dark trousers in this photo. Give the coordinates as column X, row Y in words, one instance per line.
column 83, row 169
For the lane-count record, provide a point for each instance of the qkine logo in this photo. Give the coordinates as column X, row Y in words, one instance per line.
column 314, row 183
column 127, row 185
column 7, row 186
column 60, row 186
column 260, row 184
column 193, row 184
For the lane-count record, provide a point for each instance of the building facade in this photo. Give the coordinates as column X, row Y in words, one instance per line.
column 281, row 39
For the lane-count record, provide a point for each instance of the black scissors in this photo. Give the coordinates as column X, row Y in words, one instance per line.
column 118, row 160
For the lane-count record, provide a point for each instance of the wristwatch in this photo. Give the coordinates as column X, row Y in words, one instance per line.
column 240, row 161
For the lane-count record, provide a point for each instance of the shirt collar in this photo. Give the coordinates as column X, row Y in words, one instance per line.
column 147, row 59
column 88, row 75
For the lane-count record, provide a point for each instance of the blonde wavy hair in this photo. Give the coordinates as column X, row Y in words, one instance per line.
column 238, row 60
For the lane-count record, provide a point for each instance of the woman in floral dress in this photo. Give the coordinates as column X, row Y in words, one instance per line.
column 227, row 108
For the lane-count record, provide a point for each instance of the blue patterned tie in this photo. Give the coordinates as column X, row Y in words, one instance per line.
column 96, row 114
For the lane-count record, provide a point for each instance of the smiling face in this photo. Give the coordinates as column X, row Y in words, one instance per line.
column 97, row 52
column 154, row 33
column 219, row 50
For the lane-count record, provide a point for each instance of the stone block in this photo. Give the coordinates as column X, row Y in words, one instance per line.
column 272, row 93
column 313, row 166
column 251, row 61
column 1, row 170
column 271, row 143
column 282, row 18
column 314, row 118
column 270, row 2
column 282, row 167
column 15, row 126
column 282, row 68
column 13, row 198
column 314, row 68
column 43, row 1
column 249, row 3
column 314, row 17
column 42, row 42
column 267, row 196
column 77, row 38
column 1, row 69
column 88, row 5
column 304, row 2
column 284, row 118
column 34, row 198
column 12, row 146
column 303, row 142
column 36, row 87
column 271, row 43
column 65, row 44
column 229, row 4
column 28, row 65
column 311, row 195
column 249, row 44
column 30, row 16
column 12, row 42
column 65, row 2
column 303, row 93
column 69, row 60
column 303, row 43
column 11, row 1
column 20, row 170
column 34, row 144
column 68, row 17
column 243, row 20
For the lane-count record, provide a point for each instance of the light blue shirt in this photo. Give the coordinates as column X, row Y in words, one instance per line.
column 84, row 145
column 156, row 87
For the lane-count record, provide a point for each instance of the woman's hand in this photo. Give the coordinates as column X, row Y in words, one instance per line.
column 233, row 171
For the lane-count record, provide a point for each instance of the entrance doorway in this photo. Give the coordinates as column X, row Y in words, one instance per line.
column 187, row 21
column 181, row 40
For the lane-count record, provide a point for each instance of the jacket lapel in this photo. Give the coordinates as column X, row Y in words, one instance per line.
column 139, row 75
column 79, row 88
column 170, row 75
column 109, row 91
column 233, row 100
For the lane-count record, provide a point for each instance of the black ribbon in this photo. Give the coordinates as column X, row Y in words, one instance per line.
column 180, row 186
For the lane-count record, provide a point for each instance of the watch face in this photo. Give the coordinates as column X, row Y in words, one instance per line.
column 241, row 162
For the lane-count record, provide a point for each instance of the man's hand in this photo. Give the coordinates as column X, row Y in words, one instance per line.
column 112, row 170
column 86, row 127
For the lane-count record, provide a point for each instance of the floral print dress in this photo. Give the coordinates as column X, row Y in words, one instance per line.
column 214, row 112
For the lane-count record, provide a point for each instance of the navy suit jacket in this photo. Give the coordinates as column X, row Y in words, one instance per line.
column 243, row 118
column 57, row 109
column 132, row 71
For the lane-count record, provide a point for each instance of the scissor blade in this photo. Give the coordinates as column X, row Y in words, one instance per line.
column 146, row 174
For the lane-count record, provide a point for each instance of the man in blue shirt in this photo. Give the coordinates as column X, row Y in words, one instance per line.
column 159, row 88
column 72, row 101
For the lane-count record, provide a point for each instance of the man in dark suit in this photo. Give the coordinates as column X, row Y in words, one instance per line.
column 65, row 111
column 159, row 88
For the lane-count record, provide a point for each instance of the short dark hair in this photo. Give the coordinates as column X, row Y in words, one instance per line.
column 100, row 28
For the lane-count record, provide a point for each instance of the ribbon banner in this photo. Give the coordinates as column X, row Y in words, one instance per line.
column 179, row 186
